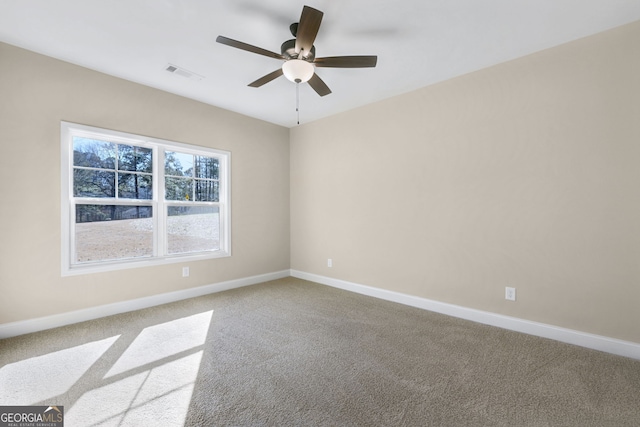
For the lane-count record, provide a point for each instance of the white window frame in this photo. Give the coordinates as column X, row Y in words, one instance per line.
column 158, row 203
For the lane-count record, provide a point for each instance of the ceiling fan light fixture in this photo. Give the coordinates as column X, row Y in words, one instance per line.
column 297, row 70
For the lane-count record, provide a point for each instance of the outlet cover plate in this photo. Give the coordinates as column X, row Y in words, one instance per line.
column 510, row 293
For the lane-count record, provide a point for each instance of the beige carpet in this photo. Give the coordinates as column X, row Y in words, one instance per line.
column 295, row 353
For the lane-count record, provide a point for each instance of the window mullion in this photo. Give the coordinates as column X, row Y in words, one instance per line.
column 117, row 177
column 159, row 211
column 105, row 201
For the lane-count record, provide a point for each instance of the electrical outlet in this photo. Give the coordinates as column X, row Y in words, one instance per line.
column 510, row 293
column 329, row 263
column 185, row 271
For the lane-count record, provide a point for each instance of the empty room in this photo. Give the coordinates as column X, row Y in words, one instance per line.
column 354, row 213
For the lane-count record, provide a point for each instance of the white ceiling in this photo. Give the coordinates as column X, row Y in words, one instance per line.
column 418, row 43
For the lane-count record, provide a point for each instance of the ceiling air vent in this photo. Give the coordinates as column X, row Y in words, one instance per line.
column 182, row 72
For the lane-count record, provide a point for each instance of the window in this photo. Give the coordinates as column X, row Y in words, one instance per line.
column 130, row 201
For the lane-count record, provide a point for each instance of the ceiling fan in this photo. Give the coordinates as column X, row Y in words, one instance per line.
column 299, row 54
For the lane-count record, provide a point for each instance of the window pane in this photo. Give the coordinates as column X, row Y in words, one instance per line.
column 135, row 186
column 93, row 183
column 113, row 232
column 207, row 167
column 178, row 164
column 94, row 153
column 193, row 229
column 178, row 189
column 206, row 191
column 135, row 159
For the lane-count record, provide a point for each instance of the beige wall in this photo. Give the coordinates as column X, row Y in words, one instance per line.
column 36, row 93
column 525, row 174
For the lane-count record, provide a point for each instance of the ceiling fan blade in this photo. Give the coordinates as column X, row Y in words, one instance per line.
column 266, row 79
column 347, row 61
column 248, row 47
column 319, row 85
column 307, row 29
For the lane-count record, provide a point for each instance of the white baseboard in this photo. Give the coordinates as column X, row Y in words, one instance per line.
column 42, row 323
column 583, row 339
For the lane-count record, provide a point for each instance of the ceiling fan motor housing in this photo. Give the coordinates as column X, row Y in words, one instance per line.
column 288, row 50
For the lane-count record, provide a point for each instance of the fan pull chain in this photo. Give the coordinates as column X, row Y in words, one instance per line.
column 298, row 100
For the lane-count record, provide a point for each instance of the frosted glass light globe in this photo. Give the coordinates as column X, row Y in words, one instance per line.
column 297, row 70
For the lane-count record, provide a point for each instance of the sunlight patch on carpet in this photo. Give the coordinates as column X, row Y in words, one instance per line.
column 39, row 378
column 158, row 342
column 153, row 379
column 159, row 396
